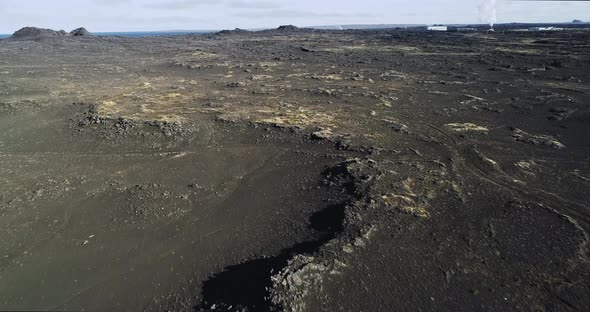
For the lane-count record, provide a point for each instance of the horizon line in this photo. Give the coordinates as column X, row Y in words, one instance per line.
column 312, row 26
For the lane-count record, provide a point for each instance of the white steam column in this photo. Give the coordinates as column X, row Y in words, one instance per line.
column 487, row 12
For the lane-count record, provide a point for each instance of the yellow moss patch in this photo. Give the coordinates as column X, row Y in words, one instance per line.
column 286, row 116
column 527, row 165
column 301, row 117
column 517, row 50
column 261, row 77
column 168, row 118
column 466, row 127
column 141, row 101
column 170, row 96
column 202, row 54
column 406, row 204
column 378, row 48
column 571, row 86
column 325, row 77
column 107, row 108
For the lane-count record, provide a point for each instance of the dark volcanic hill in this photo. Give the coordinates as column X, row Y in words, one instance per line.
column 80, row 32
column 34, row 32
column 236, row 31
column 288, row 28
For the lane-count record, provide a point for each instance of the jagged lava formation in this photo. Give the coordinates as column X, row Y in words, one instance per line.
column 33, row 33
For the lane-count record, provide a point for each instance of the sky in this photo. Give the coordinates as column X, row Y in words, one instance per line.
column 136, row 15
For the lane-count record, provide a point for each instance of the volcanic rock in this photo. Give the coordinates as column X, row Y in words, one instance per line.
column 34, row 32
column 288, row 28
column 80, row 32
column 236, row 31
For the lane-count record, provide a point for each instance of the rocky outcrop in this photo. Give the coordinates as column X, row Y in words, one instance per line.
column 288, row 28
column 33, row 33
column 80, row 32
column 236, row 31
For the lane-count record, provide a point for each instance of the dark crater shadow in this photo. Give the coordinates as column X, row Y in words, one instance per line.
column 341, row 176
column 244, row 287
column 328, row 220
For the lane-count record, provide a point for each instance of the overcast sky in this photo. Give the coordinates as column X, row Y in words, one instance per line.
column 128, row 15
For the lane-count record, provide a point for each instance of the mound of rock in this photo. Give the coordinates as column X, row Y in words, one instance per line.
column 80, row 32
column 288, row 28
column 34, row 32
column 236, row 31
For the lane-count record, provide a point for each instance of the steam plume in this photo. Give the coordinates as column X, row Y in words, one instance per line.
column 487, row 12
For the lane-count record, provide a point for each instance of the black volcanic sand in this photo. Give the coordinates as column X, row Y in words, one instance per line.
column 296, row 170
column 121, row 222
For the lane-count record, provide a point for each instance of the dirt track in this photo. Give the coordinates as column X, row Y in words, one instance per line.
column 296, row 170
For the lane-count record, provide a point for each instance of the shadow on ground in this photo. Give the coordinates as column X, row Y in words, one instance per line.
column 244, row 287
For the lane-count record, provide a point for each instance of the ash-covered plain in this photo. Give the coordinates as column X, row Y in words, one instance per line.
column 295, row 170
